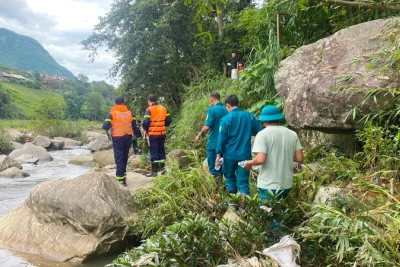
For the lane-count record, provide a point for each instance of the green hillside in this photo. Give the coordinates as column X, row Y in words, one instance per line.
column 25, row 97
column 26, row 54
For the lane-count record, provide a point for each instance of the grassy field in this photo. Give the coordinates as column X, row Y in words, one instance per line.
column 25, row 97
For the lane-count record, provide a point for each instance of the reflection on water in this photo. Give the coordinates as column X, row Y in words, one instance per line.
column 14, row 191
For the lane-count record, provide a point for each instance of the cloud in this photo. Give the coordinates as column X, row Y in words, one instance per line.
column 60, row 26
column 19, row 12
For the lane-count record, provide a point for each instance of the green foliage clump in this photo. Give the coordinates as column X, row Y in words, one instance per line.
column 8, row 109
column 48, row 114
column 5, row 145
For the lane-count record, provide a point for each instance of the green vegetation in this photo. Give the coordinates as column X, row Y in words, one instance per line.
column 24, row 98
column 5, row 144
column 26, row 54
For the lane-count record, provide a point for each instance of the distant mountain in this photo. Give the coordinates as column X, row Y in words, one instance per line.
column 25, row 53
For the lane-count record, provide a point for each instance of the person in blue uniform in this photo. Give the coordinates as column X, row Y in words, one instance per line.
column 234, row 143
column 214, row 115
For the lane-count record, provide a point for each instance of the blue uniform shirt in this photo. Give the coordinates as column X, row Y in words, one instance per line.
column 234, row 138
column 214, row 116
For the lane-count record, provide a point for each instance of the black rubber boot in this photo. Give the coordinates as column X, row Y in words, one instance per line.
column 154, row 169
column 161, row 167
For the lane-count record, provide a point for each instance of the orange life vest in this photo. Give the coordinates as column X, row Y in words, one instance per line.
column 121, row 122
column 158, row 115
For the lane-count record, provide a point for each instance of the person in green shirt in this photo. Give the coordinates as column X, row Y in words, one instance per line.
column 214, row 115
column 234, row 144
column 276, row 147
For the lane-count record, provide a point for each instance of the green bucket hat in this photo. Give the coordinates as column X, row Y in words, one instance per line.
column 271, row 113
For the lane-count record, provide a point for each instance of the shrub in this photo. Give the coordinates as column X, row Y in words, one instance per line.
column 5, row 145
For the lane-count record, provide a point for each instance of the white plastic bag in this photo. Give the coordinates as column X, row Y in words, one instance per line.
column 285, row 252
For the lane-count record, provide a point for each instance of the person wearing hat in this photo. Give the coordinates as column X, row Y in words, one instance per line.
column 234, row 143
column 123, row 126
column 276, row 147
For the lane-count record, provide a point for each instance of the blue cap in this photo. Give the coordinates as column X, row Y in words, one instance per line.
column 271, row 113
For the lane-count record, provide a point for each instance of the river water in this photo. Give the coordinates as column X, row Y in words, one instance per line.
column 14, row 191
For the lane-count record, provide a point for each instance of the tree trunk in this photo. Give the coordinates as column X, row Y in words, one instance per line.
column 220, row 21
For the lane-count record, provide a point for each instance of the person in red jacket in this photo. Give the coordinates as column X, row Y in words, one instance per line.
column 155, row 123
column 123, row 126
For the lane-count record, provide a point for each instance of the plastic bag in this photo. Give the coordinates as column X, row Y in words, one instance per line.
column 285, row 252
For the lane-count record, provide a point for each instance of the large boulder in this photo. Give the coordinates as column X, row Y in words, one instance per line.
column 25, row 158
column 14, row 135
column 56, row 144
column 90, row 136
column 13, row 172
column 184, row 157
column 82, row 160
column 42, row 141
column 313, row 79
column 16, row 145
column 135, row 161
column 104, row 158
column 8, row 162
column 99, row 144
column 30, row 149
column 69, row 219
column 69, row 141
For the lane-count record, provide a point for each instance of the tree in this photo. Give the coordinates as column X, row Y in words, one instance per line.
column 94, row 107
column 49, row 109
column 7, row 106
column 74, row 105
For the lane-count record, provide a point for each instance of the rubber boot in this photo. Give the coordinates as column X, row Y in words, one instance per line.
column 161, row 167
column 154, row 169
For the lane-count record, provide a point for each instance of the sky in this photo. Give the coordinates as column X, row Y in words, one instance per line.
column 60, row 25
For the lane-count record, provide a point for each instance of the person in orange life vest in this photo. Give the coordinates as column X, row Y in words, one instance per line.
column 155, row 123
column 123, row 126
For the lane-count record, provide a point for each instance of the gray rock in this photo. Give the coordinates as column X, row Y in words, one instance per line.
column 42, row 141
column 57, row 144
column 13, row 172
column 90, row 136
column 326, row 195
column 82, row 160
column 25, row 158
column 182, row 156
column 69, row 219
column 99, row 144
column 7, row 162
column 14, row 134
column 16, row 145
column 104, row 158
column 30, row 149
column 307, row 79
column 68, row 141
column 135, row 161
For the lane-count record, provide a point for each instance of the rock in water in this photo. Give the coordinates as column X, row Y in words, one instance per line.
column 30, row 149
column 8, row 162
column 99, row 144
column 25, row 158
column 308, row 78
column 68, row 141
column 42, row 141
column 90, row 136
column 82, row 160
column 13, row 172
column 69, row 219
column 104, row 158
column 57, row 145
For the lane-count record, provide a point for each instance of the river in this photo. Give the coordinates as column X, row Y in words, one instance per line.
column 14, row 191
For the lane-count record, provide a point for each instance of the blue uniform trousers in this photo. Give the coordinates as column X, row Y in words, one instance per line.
column 211, row 157
column 157, row 148
column 236, row 177
column 121, row 146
